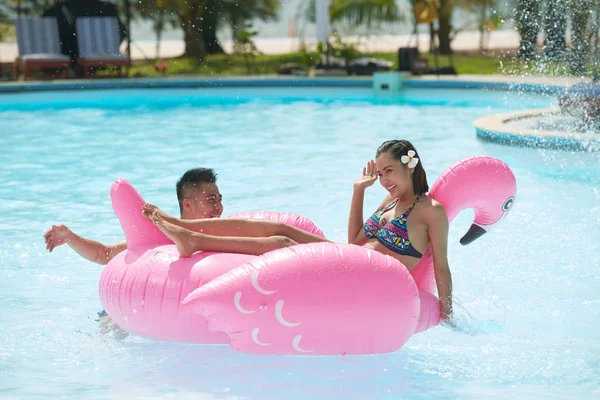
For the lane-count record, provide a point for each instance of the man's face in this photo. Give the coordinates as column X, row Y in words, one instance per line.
column 204, row 201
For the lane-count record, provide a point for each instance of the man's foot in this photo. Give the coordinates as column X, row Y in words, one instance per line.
column 181, row 236
column 149, row 209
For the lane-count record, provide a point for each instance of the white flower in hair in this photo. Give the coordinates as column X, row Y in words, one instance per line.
column 410, row 159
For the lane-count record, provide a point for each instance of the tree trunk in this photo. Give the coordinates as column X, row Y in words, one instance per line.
column 555, row 27
column 235, row 28
column 159, row 28
column 580, row 49
column 482, row 27
column 192, row 32
column 445, row 29
column 210, row 24
column 432, row 34
column 528, row 21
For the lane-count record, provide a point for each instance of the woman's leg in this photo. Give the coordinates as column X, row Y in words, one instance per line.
column 189, row 242
column 236, row 227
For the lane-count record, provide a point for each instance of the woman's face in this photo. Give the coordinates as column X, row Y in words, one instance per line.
column 394, row 176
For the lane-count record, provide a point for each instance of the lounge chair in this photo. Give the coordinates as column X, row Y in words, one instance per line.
column 98, row 40
column 39, row 47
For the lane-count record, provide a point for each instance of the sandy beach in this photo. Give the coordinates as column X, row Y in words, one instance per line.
column 467, row 40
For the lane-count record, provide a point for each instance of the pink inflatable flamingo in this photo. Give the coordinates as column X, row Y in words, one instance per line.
column 336, row 299
column 313, row 299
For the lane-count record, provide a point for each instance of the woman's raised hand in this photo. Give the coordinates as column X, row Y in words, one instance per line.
column 369, row 176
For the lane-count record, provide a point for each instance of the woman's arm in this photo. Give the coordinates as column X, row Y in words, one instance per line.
column 438, row 235
column 89, row 249
column 355, row 220
column 356, row 233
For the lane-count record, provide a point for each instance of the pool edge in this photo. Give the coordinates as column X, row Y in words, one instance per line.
column 223, row 82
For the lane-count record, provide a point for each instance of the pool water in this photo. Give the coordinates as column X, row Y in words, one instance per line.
column 526, row 294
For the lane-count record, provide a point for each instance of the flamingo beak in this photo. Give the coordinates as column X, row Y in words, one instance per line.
column 474, row 232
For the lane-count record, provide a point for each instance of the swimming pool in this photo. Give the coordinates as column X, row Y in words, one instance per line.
column 527, row 291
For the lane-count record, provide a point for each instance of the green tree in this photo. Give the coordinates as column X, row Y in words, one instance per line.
column 28, row 7
column 580, row 26
column 372, row 12
column 528, row 22
column 184, row 14
column 235, row 15
column 6, row 30
column 9, row 9
column 555, row 28
column 488, row 16
column 363, row 12
column 357, row 12
column 4, row 14
column 445, row 26
column 244, row 45
column 240, row 14
column 200, row 20
column 369, row 13
column 445, row 10
column 555, row 22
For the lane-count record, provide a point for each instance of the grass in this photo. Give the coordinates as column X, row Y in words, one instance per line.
column 237, row 65
column 464, row 64
column 220, row 64
column 225, row 64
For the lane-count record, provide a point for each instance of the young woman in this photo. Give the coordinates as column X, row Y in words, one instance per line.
column 406, row 223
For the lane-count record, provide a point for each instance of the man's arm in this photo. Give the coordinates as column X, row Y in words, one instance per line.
column 89, row 249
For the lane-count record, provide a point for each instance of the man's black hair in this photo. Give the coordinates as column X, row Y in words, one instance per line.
column 193, row 178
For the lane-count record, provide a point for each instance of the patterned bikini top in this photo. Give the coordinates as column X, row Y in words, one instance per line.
column 394, row 234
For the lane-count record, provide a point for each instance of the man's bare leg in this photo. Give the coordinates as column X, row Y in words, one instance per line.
column 236, row 227
column 189, row 242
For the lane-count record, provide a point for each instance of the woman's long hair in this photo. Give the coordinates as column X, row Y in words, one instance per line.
column 399, row 148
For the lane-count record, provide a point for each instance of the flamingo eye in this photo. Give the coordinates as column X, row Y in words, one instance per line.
column 508, row 203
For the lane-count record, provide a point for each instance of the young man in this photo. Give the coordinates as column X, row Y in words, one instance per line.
column 198, row 196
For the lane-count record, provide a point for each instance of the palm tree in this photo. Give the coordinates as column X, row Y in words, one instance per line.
column 363, row 12
column 357, row 12
column 239, row 13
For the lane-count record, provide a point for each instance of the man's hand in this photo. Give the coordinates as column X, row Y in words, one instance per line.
column 57, row 236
